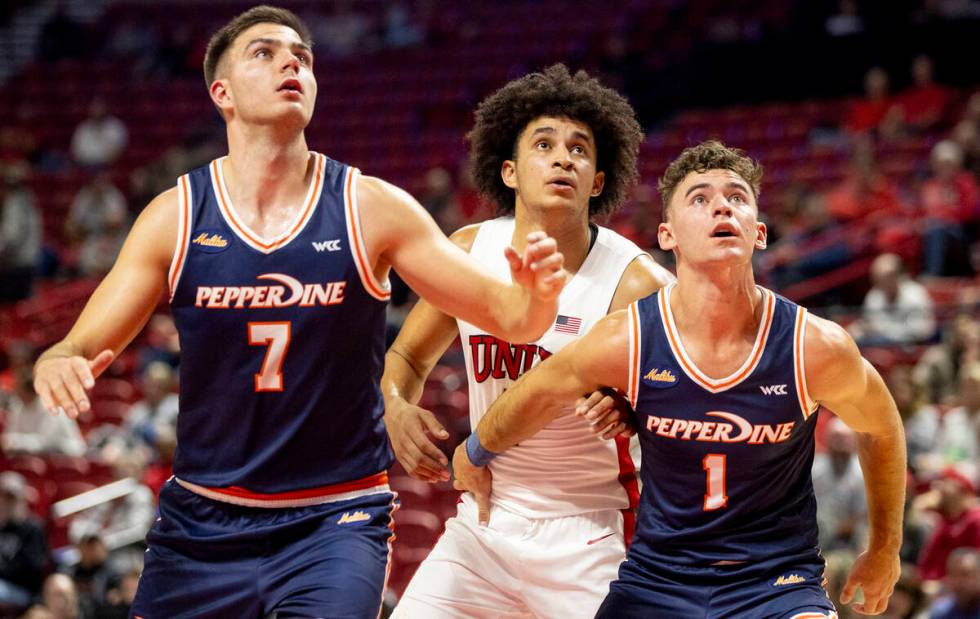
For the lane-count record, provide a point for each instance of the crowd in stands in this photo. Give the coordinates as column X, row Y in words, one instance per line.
column 882, row 237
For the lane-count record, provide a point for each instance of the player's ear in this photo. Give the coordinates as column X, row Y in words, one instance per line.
column 598, row 183
column 221, row 95
column 508, row 173
column 665, row 236
column 761, row 234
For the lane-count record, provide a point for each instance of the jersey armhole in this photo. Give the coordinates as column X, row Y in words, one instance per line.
column 632, row 313
column 184, row 201
column 807, row 405
column 379, row 290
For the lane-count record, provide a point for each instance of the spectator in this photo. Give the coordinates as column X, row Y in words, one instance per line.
column 122, row 522
column 839, row 487
column 92, row 574
column 920, row 419
column 152, row 421
column 99, row 139
column 814, row 245
column 962, row 585
column 865, row 193
column 95, row 205
column 31, row 429
column 877, row 110
column 119, row 597
column 950, row 199
column 23, row 546
column 438, row 198
column 846, row 21
column 162, row 343
column 959, row 435
column 966, row 134
column 98, row 252
column 924, row 103
column 20, row 236
column 399, row 29
column 954, row 497
column 908, row 599
column 60, row 598
column 897, row 309
column 939, row 367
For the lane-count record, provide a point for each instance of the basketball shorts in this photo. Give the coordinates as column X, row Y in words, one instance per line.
column 208, row 558
column 516, row 566
column 772, row 589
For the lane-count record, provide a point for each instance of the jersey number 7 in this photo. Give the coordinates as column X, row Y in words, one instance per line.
column 276, row 336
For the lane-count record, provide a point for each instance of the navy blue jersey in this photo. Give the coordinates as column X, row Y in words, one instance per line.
column 282, row 345
column 725, row 462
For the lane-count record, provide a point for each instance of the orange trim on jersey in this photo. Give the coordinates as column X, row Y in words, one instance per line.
column 224, row 205
column 692, row 371
column 634, row 375
column 799, row 333
column 814, row 616
column 627, row 477
column 363, row 264
column 184, row 224
column 377, row 479
column 391, row 539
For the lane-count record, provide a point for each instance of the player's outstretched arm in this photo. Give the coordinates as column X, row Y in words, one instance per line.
column 842, row 380
column 423, row 338
column 115, row 312
column 599, row 359
column 400, row 234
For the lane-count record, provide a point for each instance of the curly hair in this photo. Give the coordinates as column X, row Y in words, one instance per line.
column 708, row 155
column 503, row 116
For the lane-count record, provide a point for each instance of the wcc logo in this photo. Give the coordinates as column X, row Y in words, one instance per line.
column 773, row 389
column 660, row 379
column 321, row 246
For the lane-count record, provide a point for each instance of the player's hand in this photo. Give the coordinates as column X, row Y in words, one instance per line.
column 541, row 269
column 410, row 429
column 876, row 574
column 63, row 383
column 608, row 413
column 473, row 479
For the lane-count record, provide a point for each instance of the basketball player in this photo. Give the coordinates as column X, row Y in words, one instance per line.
column 276, row 261
column 726, row 378
column 551, row 150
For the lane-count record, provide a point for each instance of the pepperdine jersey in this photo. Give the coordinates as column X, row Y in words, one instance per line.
column 726, row 462
column 282, row 347
column 564, row 469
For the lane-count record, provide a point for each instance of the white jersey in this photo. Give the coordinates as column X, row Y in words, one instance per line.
column 564, row 469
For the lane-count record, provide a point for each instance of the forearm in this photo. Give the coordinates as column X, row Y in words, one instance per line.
column 402, row 379
column 519, row 317
column 883, row 462
column 517, row 415
column 64, row 348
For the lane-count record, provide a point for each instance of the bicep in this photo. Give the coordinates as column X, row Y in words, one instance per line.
column 126, row 298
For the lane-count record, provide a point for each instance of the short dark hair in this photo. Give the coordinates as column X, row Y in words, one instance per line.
column 708, row 155
column 226, row 35
column 503, row 116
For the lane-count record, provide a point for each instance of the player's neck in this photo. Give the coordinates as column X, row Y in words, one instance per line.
column 719, row 304
column 571, row 232
column 265, row 168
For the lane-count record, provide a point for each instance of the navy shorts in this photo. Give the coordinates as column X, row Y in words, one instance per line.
column 207, row 558
column 771, row 589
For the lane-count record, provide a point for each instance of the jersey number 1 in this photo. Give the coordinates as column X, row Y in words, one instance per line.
column 276, row 336
column 715, row 497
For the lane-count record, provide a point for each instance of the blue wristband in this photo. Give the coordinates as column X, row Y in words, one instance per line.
column 479, row 455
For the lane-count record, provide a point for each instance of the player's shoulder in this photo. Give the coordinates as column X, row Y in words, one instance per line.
column 465, row 236
column 372, row 190
column 830, row 353
column 642, row 278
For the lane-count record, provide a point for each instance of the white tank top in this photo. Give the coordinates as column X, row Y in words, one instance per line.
column 564, row 469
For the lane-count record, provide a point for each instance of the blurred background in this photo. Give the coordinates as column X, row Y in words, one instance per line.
column 865, row 114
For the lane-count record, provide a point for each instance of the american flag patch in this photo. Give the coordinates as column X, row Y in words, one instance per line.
column 568, row 324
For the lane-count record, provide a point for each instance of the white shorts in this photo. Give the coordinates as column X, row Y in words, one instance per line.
column 516, row 566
